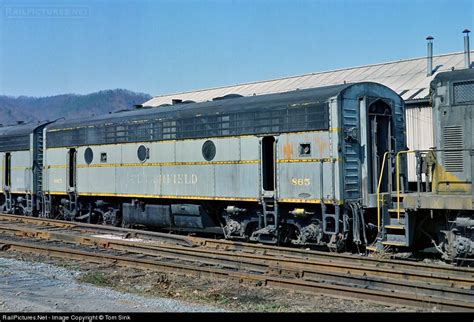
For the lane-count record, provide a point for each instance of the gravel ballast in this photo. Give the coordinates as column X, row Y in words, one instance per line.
column 38, row 287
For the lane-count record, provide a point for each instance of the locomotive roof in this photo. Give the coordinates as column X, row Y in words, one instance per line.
column 460, row 74
column 17, row 137
column 18, row 129
column 317, row 95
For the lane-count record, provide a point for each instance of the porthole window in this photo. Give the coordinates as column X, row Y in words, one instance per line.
column 88, row 155
column 143, row 153
column 209, row 150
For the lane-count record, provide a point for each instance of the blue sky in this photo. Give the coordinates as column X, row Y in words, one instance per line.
column 159, row 47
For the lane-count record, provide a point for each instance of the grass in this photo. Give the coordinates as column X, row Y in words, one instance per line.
column 67, row 265
column 167, row 286
column 95, row 278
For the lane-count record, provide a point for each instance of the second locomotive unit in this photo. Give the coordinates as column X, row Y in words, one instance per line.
column 299, row 167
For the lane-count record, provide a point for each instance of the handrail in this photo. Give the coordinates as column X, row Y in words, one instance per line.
column 398, row 169
column 378, row 189
column 398, row 178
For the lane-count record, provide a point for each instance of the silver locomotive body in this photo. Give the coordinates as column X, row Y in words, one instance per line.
column 300, row 167
column 21, row 156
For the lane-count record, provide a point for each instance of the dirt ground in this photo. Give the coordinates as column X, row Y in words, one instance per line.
column 209, row 294
column 27, row 286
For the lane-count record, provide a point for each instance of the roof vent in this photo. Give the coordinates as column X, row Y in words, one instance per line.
column 467, row 53
column 429, row 57
column 225, row 97
column 175, row 101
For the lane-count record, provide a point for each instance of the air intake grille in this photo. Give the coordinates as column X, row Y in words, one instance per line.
column 452, row 140
column 463, row 92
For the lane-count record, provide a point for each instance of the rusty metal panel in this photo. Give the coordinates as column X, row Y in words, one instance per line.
column 290, row 146
column 303, row 158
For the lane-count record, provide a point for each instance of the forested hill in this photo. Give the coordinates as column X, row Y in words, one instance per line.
column 30, row 109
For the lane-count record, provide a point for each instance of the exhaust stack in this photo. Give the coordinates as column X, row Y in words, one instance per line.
column 467, row 51
column 429, row 57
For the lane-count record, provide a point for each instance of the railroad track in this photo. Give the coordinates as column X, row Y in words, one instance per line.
column 395, row 282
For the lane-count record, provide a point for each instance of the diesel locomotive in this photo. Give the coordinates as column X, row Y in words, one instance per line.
column 316, row 167
column 440, row 213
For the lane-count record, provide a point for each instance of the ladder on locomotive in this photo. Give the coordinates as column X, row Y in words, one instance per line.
column 393, row 223
column 36, row 197
column 39, row 160
column 8, row 200
column 269, row 217
column 270, row 210
column 29, row 203
column 8, row 206
column 396, row 223
column 268, row 220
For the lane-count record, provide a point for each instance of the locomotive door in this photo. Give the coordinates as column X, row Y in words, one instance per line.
column 269, row 218
column 71, row 170
column 7, row 162
column 380, row 141
column 7, row 181
column 268, row 165
column 71, row 211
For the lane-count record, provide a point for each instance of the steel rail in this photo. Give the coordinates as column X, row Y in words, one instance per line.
column 241, row 247
column 258, row 262
column 279, row 251
column 183, row 240
column 210, row 272
column 414, row 282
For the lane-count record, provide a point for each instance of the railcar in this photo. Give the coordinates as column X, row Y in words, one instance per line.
column 317, row 167
column 299, row 167
column 21, row 151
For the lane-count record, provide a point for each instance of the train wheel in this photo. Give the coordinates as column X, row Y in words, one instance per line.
column 337, row 243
